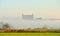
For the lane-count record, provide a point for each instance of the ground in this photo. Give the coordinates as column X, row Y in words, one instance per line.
column 29, row 34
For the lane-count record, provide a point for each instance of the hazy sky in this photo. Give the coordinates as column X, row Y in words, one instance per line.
column 40, row 8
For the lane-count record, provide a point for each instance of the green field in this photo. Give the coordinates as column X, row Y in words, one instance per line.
column 29, row 34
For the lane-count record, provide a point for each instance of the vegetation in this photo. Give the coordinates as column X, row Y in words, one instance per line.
column 29, row 34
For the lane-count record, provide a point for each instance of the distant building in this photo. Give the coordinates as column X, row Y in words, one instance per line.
column 38, row 18
column 28, row 17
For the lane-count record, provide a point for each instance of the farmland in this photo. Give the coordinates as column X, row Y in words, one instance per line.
column 29, row 34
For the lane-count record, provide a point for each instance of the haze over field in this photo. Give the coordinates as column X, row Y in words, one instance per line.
column 40, row 8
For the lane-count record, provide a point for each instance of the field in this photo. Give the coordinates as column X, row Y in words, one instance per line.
column 29, row 34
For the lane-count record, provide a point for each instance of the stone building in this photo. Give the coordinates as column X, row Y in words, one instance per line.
column 28, row 17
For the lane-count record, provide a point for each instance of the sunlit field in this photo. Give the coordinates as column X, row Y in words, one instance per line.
column 29, row 34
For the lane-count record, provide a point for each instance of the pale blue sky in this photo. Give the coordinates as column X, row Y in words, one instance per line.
column 40, row 8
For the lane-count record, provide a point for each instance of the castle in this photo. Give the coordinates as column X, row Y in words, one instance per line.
column 28, row 17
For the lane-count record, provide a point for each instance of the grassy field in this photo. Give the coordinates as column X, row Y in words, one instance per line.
column 29, row 34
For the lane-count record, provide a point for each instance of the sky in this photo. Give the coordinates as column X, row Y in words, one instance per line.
column 40, row 8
